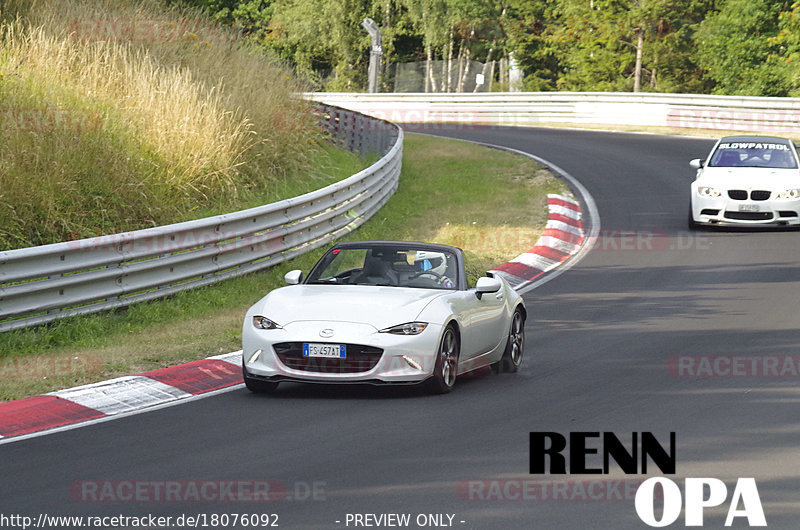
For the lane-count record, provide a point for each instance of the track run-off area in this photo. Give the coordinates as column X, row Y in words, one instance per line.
column 620, row 342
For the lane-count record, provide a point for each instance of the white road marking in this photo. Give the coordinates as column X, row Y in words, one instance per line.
column 120, row 415
column 123, row 394
column 558, row 244
column 564, row 227
column 535, row 261
column 566, row 212
column 233, row 357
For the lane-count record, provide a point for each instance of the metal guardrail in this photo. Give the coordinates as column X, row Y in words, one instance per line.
column 41, row 284
column 752, row 114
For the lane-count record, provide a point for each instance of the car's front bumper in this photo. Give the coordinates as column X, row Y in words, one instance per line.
column 726, row 211
column 402, row 359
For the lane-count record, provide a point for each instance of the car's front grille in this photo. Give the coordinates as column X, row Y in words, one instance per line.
column 756, row 195
column 749, row 216
column 359, row 358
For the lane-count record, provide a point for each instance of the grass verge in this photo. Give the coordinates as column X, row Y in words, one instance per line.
column 490, row 203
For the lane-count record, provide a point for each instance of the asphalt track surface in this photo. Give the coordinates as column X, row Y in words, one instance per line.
column 600, row 338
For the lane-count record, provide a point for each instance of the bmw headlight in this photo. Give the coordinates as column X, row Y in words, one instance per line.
column 409, row 328
column 708, row 192
column 260, row 322
column 790, row 194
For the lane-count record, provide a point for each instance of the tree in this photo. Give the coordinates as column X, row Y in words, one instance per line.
column 322, row 37
column 429, row 18
column 788, row 43
column 593, row 41
column 613, row 44
column 670, row 57
column 251, row 17
column 532, row 30
column 737, row 48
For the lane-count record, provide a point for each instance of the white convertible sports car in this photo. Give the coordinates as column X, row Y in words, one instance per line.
column 383, row 312
column 747, row 180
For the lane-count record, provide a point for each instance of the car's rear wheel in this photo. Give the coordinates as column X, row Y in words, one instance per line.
column 257, row 385
column 446, row 367
column 515, row 345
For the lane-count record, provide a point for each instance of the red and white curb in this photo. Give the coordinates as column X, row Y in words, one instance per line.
column 562, row 237
column 120, row 396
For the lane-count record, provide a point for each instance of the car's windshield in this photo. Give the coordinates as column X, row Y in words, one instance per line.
column 387, row 265
column 753, row 154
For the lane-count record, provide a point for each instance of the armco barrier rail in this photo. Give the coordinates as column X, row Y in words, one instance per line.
column 766, row 115
column 40, row 284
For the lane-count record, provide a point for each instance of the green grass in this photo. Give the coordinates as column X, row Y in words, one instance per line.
column 490, row 203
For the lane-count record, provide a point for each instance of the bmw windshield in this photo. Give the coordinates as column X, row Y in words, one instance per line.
column 754, row 154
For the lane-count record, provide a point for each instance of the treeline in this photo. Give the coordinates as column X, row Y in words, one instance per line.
column 740, row 47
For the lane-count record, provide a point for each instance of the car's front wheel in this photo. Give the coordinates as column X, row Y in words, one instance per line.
column 446, row 368
column 515, row 344
column 693, row 225
column 257, row 385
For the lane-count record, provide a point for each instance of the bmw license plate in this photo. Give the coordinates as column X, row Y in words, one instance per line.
column 312, row 349
column 749, row 208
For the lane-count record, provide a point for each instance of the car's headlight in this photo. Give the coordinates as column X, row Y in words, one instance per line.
column 709, row 192
column 790, row 194
column 409, row 328
column 265, row 323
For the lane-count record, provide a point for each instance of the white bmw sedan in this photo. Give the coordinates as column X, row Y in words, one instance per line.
column 747, row 180
column 383, row 312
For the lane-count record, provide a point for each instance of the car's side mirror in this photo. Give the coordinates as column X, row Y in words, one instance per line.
column 697, row 163
column 487, row 285
column 293, row 277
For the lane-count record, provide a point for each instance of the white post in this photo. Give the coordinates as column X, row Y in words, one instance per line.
column 515, row 74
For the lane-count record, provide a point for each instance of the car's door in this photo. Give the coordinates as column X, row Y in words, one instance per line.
column 482, row 319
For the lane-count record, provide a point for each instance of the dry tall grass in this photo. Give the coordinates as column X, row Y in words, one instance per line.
column 116, row 114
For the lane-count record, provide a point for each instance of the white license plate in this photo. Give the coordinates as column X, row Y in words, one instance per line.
column 749, row 208
column 335, row 351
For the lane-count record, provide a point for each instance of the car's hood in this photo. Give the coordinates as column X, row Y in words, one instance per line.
column 380, row 307
column 750, row 178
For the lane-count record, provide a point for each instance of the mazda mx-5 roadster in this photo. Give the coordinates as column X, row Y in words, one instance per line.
column 383, row 312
